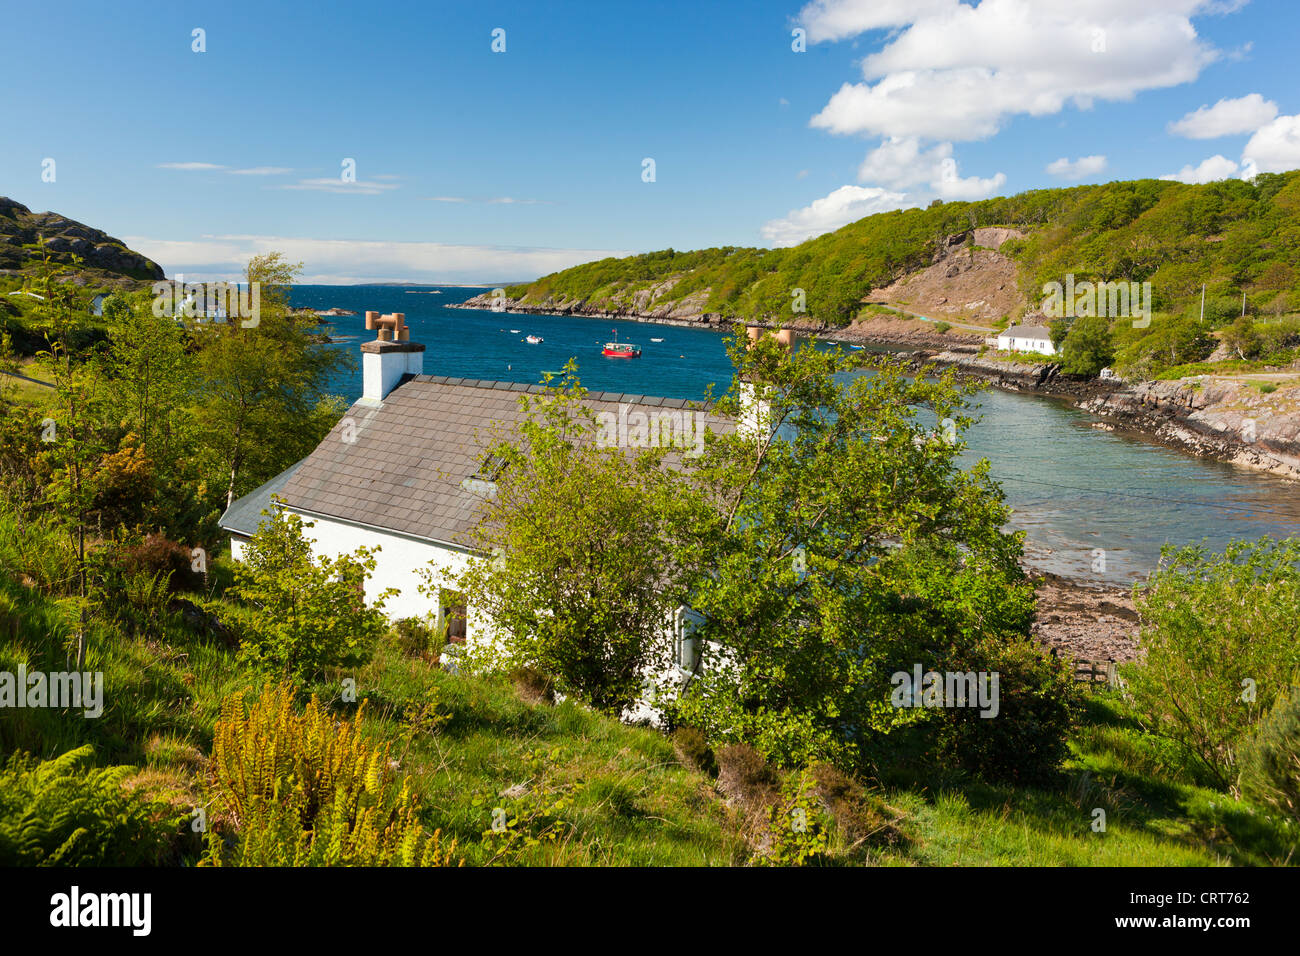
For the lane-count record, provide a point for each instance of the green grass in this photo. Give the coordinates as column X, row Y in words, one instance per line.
column 1155, row 815
column 617, row 795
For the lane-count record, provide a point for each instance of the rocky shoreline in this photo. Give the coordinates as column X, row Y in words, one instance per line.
column 1085, row 622
column 1220, row 419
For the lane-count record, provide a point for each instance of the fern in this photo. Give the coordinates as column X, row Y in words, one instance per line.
column 62, row 812
column 305, row 790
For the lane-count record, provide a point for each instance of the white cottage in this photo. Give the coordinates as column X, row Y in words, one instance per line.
column 1027, row 338
column 403, row 469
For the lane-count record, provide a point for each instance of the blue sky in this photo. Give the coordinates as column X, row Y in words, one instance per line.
column 473, row 165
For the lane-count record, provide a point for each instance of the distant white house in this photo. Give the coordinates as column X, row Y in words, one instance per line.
column 97, row 305
column 1027, row 338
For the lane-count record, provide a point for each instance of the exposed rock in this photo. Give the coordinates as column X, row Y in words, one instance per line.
column 107, row 260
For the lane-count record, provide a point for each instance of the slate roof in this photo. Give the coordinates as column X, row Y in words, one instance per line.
column 1027, row 332
column 404, row 470
column 245, row 514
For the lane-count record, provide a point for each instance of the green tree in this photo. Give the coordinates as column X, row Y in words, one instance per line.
column 1087, row 348
column 838, row 543
column 263, row 402
column 575, row 531
column 149, row 360
column 73, row 432
column 1242, row 338
column 1219, row 635
column 309, row 613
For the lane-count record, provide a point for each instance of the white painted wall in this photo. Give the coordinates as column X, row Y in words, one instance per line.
column 397, row 564
column 1011, row 343
column 380, row 371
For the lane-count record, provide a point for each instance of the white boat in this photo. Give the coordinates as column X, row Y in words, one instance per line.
column 515, row 331
column 656, row 340
column 533, row 339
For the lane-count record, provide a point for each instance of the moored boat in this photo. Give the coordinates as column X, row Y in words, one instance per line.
column 617, row 349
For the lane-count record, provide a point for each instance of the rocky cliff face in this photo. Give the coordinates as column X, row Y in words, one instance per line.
column 106, row 261
column 1228, row 420
column 1224, row 419
column 975, row 282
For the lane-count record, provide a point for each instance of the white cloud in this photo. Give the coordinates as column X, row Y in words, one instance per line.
column 1080, row 168
column 837, row 19
column 1274, row 148
column 1209, row 171
column 262, row 171
column 337, row 261
column 843, row 206
column 902, row 163
column 1226, row 118
column 190, row 166
column 334, row 184
column 495, row 201
column 951, row 186
column 953, row 72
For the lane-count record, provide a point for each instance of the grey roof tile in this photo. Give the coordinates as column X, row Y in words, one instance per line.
column 405, row 469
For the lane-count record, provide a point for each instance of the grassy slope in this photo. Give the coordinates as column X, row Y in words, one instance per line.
column 632, row 802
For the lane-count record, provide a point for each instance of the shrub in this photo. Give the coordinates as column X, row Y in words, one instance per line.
column 693, row 750
column 1270, row 760
column 797, row 826
column 942, row 327
column 533, row 685
column 303, row 790
column 63, row 812
column 1219, row 632
column 35, row 550
column 156, row 554
column 136, row 602
column 859, row 817
column 415, row 638
column 1037, row 705
column 744, row 776
column 308, row 614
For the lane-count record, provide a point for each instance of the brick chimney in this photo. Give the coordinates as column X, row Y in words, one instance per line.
column 389, row 357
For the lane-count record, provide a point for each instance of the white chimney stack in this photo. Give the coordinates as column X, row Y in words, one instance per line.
column 755, row 407
column 389, row 357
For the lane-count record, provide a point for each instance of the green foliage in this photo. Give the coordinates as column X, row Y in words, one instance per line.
column 1233, row 236
column 1086, row 349
column 839, row 544
column 797, row 825
column 1168, row 342
column 66, row 812
column 309, row 614
column 962, row 618
column 1219, row 633
column 533, row 817
column 575, row 537
column 694, row 751
column 1270, row 759
column 304, row 790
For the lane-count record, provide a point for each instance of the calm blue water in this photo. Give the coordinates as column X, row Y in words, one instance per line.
column 1074, row 489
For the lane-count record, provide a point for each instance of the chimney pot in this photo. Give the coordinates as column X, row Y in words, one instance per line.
column 388, row 357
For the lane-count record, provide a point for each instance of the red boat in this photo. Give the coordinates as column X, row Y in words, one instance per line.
column 617, row 349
